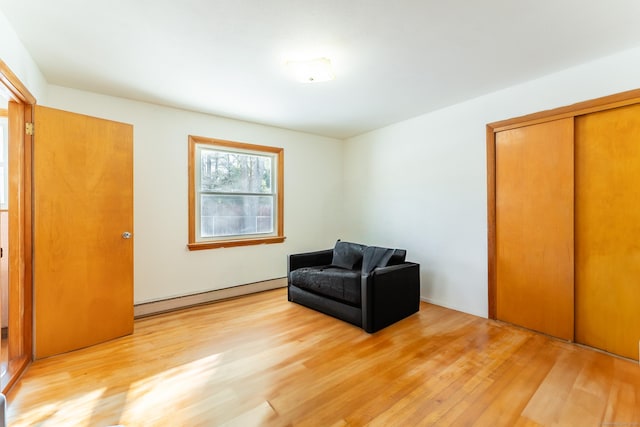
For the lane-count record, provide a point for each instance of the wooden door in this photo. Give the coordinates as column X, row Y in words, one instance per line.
column 83, row 203
column 608, row 230
column 534, row 227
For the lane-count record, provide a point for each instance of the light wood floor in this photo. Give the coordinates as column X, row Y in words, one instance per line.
column 260, row 360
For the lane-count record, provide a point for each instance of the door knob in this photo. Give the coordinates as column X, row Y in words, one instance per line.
column 126, row 235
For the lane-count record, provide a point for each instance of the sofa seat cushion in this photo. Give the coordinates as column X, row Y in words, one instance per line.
column 334, row 282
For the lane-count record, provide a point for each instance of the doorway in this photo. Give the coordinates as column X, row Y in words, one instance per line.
column 4, row 236
column 19, row 104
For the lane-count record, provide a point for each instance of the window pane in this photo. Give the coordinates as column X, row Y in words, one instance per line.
column 234, row 172
column 235, row 215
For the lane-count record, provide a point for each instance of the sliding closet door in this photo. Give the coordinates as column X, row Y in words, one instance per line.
column 534, row 227
column 608, row 230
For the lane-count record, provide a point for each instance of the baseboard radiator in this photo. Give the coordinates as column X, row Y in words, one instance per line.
column 171, row 304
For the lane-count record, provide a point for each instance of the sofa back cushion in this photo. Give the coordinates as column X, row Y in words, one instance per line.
column 398, row 257
column 375, row 256
column 347, row 255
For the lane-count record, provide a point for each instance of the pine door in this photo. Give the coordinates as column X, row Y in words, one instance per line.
column 608, row 230
column 534, row 227
column 83, row 205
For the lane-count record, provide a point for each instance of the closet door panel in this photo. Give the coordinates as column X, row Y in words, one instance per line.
column 608, row 230
column 534, row 227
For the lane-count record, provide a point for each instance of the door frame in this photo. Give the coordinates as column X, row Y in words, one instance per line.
column 20, row 111
column 599, row 104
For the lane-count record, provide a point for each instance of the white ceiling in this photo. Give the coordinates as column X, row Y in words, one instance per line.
column 393, row 59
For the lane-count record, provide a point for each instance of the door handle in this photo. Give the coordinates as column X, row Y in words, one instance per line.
column 126, row 235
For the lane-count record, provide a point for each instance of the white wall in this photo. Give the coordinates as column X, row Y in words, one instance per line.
column 163, row 266
column 14, row 54
column 421, row 184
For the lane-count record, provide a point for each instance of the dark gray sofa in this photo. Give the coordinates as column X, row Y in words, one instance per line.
column 368, row 286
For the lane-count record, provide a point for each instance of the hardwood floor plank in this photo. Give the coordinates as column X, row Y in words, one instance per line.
column 546, row 405
column 591, row 388
column 448, row 375
column 628, row 403
column 495, row 405
column 260, row 360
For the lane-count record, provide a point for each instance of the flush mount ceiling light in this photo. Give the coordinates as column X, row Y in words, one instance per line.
column 311, row 71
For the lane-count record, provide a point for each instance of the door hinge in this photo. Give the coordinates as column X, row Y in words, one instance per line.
column 28, row 128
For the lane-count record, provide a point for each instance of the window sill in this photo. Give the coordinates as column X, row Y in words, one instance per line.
column 231, row 243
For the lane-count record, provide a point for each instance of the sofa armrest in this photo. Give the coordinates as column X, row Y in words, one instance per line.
column 390, row 294
column 309, row 259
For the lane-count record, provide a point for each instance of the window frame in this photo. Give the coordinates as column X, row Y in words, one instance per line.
column 242, row 148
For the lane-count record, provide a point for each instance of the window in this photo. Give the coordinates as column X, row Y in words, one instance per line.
column 235, row 194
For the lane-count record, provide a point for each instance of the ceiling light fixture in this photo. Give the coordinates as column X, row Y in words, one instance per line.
column 311, row 71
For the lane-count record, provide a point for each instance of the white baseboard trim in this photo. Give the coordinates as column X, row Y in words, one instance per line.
column 177, row 303
column 451, row 307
